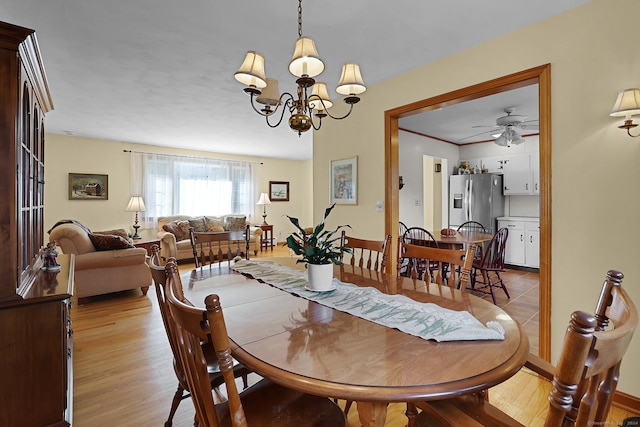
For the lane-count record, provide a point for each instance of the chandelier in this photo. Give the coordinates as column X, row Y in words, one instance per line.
column 302, row 107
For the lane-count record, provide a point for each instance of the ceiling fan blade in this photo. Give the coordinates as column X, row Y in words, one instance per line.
column 478, row 134
column 486, row 126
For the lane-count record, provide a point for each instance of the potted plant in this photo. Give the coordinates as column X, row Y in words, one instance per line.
column 319, row 249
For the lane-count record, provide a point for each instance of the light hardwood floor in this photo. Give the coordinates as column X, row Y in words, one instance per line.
column 123, row 373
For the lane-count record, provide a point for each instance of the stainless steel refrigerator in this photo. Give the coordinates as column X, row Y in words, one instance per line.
column 476, row 197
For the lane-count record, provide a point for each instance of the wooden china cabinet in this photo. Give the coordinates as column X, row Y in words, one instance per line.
column 35, row 330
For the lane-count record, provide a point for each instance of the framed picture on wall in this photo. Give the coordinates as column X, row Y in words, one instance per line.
column 86, row 186
column 344, row 181
column 279, row 191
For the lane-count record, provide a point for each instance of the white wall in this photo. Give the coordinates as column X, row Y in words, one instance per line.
column 594, row 164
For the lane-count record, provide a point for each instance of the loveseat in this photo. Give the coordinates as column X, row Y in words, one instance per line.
column 174, row 232
column 105, row 262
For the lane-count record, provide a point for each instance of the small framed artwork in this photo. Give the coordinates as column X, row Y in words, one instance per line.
column 87, row 186
column 279, row 191
column 344, row 181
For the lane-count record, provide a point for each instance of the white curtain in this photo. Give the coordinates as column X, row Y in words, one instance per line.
column 179, row 185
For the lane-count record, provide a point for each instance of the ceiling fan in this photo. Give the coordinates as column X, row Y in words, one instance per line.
column 506, row 128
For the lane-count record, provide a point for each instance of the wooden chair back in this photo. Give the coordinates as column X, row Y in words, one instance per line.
column 369, row 254
column 421, row 237
column 474, row 226
column 447, row 262
column 584, row 380
column 493, row 258
column 191, row 327
column 218, row 246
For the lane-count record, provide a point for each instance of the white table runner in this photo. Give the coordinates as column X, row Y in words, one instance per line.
column 424, row 320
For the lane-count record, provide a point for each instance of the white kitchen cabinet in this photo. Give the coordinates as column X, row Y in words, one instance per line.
column 523, row 243
column 516, row 172
column 534, row 161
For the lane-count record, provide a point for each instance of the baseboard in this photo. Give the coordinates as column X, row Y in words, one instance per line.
column 627, row 402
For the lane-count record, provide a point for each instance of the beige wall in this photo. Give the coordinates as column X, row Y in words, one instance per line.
column 65, row 154
column 593, row 52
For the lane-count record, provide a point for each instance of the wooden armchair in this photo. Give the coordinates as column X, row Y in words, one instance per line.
column 215, row 375
column 369, row 254
column 583, row 382
column 261, row 405
column 218, row 246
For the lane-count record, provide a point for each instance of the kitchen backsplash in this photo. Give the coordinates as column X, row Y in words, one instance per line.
column 522, row 206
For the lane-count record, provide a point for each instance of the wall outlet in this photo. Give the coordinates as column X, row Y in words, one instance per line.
column 417, row 202
column 379, row 206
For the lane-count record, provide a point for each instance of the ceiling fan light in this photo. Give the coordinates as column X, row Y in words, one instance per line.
column 509, row 137
column 319, row 90
column 305, row 61
column 270, row 94
column 351, row 82
column 251, row 72
column 627, row 104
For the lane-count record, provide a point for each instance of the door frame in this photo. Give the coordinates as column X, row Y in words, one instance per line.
column 539, row 75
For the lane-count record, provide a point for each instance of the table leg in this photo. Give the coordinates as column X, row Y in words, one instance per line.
column 372, row 414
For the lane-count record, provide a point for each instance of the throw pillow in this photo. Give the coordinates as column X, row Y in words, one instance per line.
column 213, row 224
column 108, row 242
column 119, row 232
column 198, row 224
column 235, row 223
column 184, row 226
column 174, row 228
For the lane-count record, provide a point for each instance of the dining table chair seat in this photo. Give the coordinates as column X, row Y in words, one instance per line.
column 582, row 383
column 216, row 379
column 264, row 404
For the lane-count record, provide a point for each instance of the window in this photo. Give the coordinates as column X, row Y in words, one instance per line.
column 180, row 185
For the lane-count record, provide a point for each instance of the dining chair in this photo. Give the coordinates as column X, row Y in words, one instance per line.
column 261, row 405
column 474, row 227
column 218, row 246
column 461, row 262
column 582, row 383
column 216, row 379
column 369, row 254
column 401, row 228
column 421, row 237
column 492, row 263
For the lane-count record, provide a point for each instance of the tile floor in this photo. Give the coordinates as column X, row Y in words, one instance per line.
column 524, row 289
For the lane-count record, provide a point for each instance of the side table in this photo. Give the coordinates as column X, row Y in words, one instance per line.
column 266, row 240
column 146, row 244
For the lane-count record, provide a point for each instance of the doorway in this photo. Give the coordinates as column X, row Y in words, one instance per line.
column 539, row 75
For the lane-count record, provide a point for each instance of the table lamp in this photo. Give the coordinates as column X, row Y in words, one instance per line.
column 136, row 204
column 264, row 201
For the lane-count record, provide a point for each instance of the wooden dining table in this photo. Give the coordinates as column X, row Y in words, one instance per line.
column 315, row 349
column 460, row 239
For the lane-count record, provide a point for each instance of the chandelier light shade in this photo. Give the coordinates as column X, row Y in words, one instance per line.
column 627, row 105
column 136, row 204
column 305, row 61
column 251, row 72
column 509, row 137
column 306, row 109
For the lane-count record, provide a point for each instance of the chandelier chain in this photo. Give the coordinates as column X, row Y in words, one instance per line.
column 299, row 18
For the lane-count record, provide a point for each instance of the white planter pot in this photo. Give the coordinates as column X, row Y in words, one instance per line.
column 320, row 276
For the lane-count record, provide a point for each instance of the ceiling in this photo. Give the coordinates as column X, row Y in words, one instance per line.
column 160, row 72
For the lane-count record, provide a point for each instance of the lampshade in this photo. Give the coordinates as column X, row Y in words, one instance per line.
column 320, row 91
column 509, row 137
column 627, row 104
column 251, row 72
column 351, row 82
column 305, row 59
column 136, row 204
column 270, row 94
column 264, row 199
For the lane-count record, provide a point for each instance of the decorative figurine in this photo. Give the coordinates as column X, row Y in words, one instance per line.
column 48, row 255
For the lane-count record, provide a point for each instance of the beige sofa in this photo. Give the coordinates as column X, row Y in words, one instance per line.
column 102, row 271
column 177, row 244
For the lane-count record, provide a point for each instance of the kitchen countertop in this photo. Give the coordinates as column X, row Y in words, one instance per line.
column 519, row 218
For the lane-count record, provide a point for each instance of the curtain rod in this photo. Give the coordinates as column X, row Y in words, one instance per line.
column 190, row 157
